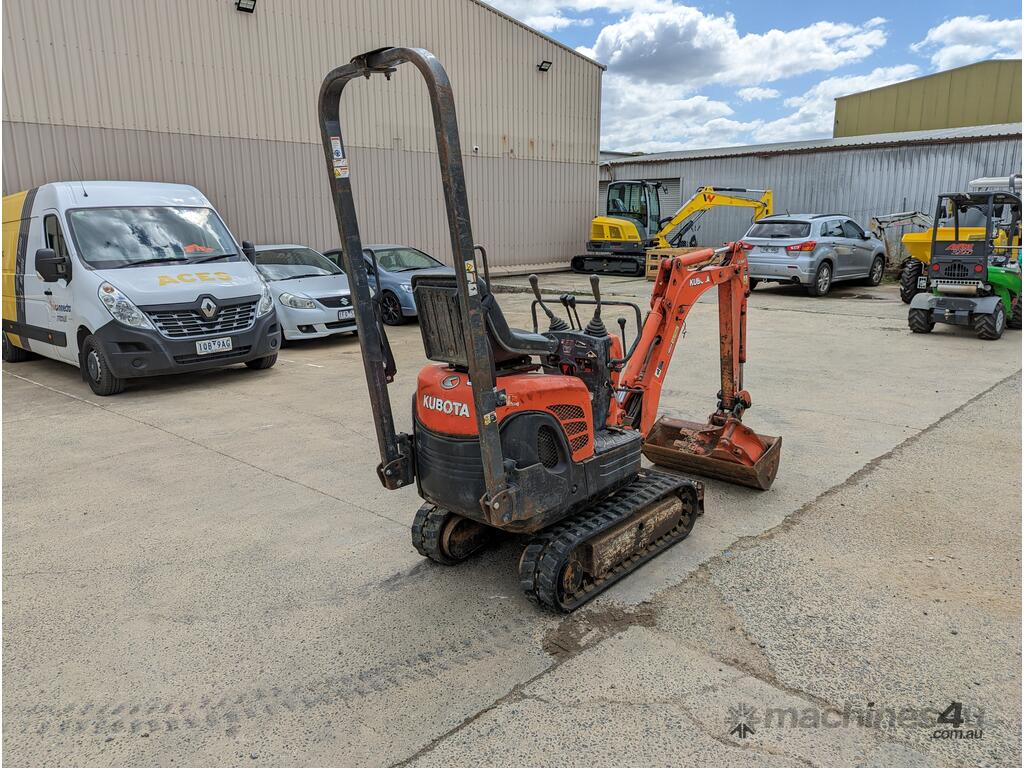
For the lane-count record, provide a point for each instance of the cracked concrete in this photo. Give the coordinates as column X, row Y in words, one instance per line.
column 218, row 578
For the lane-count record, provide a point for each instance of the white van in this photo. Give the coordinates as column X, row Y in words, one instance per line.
column 126, row 279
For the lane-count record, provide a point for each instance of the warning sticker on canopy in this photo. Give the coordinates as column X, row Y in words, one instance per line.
column 341, row 168
column 336, row 150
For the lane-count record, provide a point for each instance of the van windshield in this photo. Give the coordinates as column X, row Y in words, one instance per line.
column 110, row 238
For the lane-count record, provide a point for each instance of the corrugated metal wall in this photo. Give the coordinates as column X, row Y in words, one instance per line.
column 193, row 91
column 985, row 93
column 858, row 182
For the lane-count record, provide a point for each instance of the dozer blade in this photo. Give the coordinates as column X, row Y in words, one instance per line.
column 608, row 264
column 733, row 452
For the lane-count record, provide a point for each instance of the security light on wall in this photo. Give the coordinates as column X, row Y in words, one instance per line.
column 245, row 6
column 544, row 66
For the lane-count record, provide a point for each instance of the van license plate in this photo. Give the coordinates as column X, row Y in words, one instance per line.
column 209, row 346
column 922, row 282
column 346, row 314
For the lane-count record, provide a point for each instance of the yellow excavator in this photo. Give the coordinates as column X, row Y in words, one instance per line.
column 632, row 224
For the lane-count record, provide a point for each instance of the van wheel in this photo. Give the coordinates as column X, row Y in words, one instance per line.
column 13, row 354
column 262, row 363
column 822, row 282
column 990, row 327
column 97, row 371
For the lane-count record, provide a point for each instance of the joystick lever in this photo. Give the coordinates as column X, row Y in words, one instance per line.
column 596, row 326
column 554, row 323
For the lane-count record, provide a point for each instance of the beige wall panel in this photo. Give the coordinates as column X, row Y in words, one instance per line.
column 201, row 67
column 273, row 191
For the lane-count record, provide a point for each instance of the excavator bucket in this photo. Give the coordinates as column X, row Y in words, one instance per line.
column 732, row 452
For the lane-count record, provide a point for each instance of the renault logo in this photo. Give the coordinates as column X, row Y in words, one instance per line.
column 209, row 309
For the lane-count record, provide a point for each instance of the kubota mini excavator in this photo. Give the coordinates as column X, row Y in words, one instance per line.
column 619, row 241
column 542, row 433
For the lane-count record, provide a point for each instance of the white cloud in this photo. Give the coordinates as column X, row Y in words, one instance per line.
column 656, row 118
column 550, row 15
column 815, row 110
column 756, row 93
column 966, row 39
column 682, row 45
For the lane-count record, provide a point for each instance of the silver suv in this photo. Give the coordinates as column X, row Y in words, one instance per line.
column 814, row 250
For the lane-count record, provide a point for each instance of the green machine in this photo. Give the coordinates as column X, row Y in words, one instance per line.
column 973, row 277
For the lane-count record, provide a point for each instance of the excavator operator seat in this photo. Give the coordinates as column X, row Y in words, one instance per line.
column 440, row 319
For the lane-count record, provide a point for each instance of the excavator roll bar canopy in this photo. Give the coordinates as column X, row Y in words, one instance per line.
column 397, row 465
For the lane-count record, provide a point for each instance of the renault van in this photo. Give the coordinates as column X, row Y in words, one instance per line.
column 127, row 279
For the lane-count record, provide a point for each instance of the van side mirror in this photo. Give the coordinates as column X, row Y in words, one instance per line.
column 50, row 266
column 249, row 251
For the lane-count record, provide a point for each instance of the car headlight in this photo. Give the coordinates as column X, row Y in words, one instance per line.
column 406, row 287
column 121, row 307
column 266, row 300
column 297, row 302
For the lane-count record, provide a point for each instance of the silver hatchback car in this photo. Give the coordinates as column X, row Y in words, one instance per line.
column 813, row 250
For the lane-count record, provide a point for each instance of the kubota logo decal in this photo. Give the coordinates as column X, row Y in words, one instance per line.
column 450, row 382
column 960, row 249
column 447, row 407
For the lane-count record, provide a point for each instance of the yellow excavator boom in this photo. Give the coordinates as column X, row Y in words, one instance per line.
column 707, row 198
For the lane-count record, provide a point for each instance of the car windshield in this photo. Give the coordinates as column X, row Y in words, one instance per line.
column 293, row 263
column 109, row 238
column 780, row 229
column 404, row 260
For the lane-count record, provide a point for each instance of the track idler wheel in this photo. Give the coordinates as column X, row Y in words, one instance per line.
column 447, row 538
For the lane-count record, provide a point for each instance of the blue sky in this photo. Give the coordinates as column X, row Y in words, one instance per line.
column 697, row 75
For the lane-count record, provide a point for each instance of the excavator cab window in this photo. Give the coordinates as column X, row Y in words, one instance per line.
column 636, row 200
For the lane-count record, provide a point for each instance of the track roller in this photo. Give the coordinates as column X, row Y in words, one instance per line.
column 447, row 538
column 572, row 562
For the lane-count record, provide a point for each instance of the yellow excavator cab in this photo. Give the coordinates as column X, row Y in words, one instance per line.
column 619, row 240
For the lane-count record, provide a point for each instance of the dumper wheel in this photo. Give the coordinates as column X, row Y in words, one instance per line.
column 908, row 280
column 920, row 321
column 1015, row 319
column 445, row 537
column 990, row 327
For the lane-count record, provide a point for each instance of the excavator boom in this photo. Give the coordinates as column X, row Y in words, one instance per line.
column 723, row 447
column 706, row 198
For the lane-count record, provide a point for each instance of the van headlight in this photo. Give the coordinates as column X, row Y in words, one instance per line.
column 297, row 302
column 266, row 300
column 122, row 309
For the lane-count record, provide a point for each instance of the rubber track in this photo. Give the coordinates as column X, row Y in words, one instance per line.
column 426, row 533
column 549, row 551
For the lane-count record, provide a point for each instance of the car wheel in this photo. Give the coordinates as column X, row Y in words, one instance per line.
column 753, row 284
column 262, row 363
column 991, row 327
column 920, row 320
column 391, row 309
column 13, row 354
column 96, row 369
column 877, row 270
column 908, row 280
column 822, row 282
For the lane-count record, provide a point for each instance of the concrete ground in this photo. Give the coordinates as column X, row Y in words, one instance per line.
column 204, row 570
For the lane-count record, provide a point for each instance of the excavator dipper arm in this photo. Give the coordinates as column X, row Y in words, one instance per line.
column 723, row 447
column 706, row 198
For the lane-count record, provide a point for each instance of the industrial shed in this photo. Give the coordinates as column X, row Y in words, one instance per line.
column 201, row 93
column 861, row 176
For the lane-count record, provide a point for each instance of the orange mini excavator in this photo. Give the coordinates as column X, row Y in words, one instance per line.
column 541, row 433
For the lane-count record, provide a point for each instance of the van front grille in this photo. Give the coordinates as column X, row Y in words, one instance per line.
column 191, row 323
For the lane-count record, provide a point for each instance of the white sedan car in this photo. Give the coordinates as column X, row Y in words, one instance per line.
column 310, row 293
